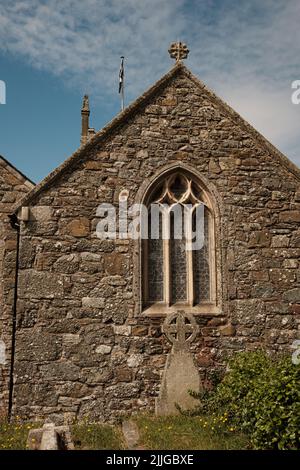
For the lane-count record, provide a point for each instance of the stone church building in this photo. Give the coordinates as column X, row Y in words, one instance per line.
column 87, row 323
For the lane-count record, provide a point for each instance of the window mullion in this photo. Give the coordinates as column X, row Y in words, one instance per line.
column 166, row 256
column 189, row 257
column 145, row 248
column 212, row 260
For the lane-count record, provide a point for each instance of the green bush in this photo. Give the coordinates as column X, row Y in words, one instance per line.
column 261, row 396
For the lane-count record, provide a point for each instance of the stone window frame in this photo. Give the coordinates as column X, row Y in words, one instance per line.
column 215, row 305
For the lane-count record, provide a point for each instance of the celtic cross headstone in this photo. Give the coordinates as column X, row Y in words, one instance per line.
column 180, row 374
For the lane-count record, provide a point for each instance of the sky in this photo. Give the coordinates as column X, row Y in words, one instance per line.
column 52, row 52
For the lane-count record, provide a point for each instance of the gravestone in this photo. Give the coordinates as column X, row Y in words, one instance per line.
column 50, row 437
column 180, row 374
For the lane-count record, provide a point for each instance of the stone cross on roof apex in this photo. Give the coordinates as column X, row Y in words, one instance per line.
column 178, row 51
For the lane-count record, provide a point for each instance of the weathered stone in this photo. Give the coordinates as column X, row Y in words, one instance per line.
column 125, row 390
column 180, row 373
column 70, row 338
column 38, row 346
column 122, row 330
column 204, row 360
column 2, row 352
column 290, row 263
column 131, row 434
column 41, row 285
column 123, row 375
column 290, row 216
column 139, row 330
column 103, row 349
column 279, row 241
column 115, row 263
column 227, row 330
column 169, row 100
column 214, row 167
column 60, row 371
column 78, row 228
column 277, row 307
column 292, row 295
column 295, row 309
column 67, row 264
column 283, row 277
column 135, row 360
column 50, row 437
column 260, row 275
column 259, row 238
column 93, row 302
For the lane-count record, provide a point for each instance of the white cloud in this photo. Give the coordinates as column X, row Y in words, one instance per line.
column 247, row 51
column 83, row 40
column 271, row 112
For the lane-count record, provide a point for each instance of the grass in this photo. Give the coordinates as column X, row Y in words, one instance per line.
column 94, row 436
column 189, row 433
column 13, row 436
column 156, row 433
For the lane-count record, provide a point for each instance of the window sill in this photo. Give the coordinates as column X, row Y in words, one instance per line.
column 159, row 310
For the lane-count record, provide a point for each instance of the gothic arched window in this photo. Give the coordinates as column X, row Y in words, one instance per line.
column 178, row 257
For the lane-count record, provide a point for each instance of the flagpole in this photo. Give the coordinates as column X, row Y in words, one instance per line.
column 122, row 96
column 122, row 83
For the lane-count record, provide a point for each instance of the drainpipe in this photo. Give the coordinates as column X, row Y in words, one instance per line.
column 14, row 222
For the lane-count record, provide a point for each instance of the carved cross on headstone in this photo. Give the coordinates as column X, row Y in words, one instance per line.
column 178, row 51
column 180, row 328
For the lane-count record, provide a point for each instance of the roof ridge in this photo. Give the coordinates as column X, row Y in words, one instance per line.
column 7, row 164
column 130, row 111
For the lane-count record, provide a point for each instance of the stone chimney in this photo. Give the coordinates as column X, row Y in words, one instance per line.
column 85, row 115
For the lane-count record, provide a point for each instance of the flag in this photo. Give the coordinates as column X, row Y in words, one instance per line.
column 121, row 75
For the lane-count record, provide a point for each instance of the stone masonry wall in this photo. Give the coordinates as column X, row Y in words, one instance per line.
column 83, row 346
column 12, row 187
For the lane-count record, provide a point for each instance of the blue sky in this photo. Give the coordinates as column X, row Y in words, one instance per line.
column 52, row 52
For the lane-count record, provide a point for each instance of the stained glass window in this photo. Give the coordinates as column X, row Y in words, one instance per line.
column 201, row 265
column 175, row 273
column 155, row 265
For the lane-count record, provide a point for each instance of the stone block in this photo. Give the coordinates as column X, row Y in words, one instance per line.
column 135, row 360
column 38, row 346
column 290, row 263
column 290, row 216
column 139, row 330
column 93, row 302
column 60, row 371
column 123, row 374
column 282, row 277
column 103, row 349
column 79, row 227
column 122, row 330
column 280, row 241
column 41, row 285
column 292, row 295
column 227, row 330
column 259, row 239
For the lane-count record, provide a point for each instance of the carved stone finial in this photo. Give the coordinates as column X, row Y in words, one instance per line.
column 85, row 103
column 85, row 115
column 178, row 51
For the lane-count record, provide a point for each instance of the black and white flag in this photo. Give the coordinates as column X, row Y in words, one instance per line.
column 121, row 75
